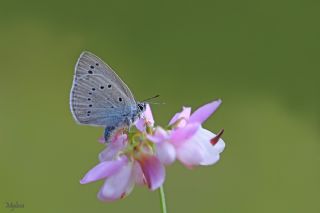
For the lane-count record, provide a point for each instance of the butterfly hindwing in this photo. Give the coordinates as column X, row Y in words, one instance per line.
column 98, row 96
column 89, row 63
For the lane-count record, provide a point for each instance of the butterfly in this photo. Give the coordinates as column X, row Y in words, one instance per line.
column 99, row 97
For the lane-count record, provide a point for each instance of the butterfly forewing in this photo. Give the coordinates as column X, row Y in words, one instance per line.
column 98, row 96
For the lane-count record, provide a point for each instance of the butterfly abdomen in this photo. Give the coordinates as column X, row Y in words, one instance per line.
column 108, row 131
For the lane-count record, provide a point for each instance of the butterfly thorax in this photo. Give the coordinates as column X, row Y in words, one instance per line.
column 136, row 113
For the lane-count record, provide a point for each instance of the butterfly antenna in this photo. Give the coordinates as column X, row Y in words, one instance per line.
column 156, row 96
column 156, row 103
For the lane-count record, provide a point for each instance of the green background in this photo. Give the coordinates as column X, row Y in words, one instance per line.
column 260, row 57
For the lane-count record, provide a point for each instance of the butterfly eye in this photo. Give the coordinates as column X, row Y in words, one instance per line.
column 141, row 107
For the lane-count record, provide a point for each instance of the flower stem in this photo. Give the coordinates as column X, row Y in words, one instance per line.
column 162, row 200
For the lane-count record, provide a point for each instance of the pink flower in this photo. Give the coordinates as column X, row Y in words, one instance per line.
column 123, row 165
column 191, row 144
column 139, row 156
column 164, row 151
column 164, row 148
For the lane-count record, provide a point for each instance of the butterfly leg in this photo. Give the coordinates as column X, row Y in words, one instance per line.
column 108, row 132
column 128, row 123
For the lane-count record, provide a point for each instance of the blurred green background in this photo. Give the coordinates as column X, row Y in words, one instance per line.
column 260, row 57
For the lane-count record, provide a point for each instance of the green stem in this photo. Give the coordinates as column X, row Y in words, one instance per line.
column 162, row 200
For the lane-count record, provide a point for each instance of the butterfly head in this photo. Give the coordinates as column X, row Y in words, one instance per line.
column 141, row 107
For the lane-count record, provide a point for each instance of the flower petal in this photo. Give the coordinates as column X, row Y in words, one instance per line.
column 140, row 124
column 103, row 170
column 180, row 135
column 153, row 171
column 101, row 140
column 166, row 153
column 113, row 148
column 189, row 154
column 147, row 119
column 204, row 112
column 159, row 135
column 185, row 113
column 210, row 155
column 198, row 149
column 138, row 174
column 118, row 185
column 220, row 146
column 148, row 115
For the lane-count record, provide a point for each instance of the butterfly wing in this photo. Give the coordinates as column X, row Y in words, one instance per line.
column 98, row 96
